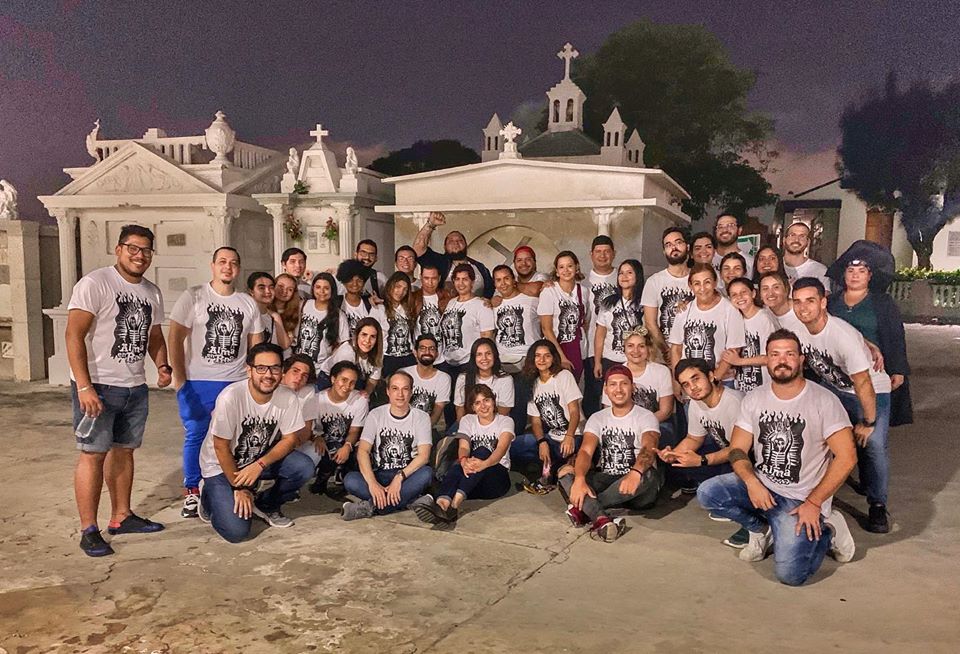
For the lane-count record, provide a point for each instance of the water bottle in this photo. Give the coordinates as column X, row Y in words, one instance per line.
column 85, row 429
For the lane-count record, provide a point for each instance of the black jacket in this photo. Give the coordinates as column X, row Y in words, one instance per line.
column 444, row 261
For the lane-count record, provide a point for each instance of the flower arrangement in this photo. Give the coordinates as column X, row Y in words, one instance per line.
column 330, row 231
column 300, row 188
column 293, row 228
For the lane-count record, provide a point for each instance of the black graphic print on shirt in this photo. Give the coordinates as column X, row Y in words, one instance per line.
column 551, row 413
column 353, row 319
column 309, row 338
column 488, row 440
column 510, row 325
column 451, row 329
column 132, row 328
column 224, row 329
column 749, row 377
column 429, row 319
column 616, row 451
column 671, row 298
column 825, row 370
column 569, row 321
column 334, row 428
column 781, row 442
column 256, row 438
column 423, row 399
column 398, row 337
column 624, row 319
column 699, row 338
column 646, row 397
column 715, row 432
column 395, row 449
column 600, row 293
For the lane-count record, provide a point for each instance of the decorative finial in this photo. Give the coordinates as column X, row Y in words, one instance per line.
column 220, row 138
column 568, row 53
column 8, row 201
column 510, row 134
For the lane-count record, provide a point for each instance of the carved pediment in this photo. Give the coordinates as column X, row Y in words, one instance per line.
column 137, row 177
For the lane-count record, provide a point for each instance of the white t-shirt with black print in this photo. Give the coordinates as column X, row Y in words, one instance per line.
column 706, row 334
column 345, row 352
column 502, row 387
column 790, row 438
column 428, row 320
column 788, row 320
column 461, row 325
column 549, row 403
column 755, row 330
column 718, row 258
column 601, row 287
column 477, row 277
column 808, row 268
column 655, row 382
column 367, row 285
column 427, row 392
column 395, row 440
column 354, row 314
column 219, row 327
column 335, row 419
column 666, row 292
column 518, row 326
column 618, row 320
column 251, row 428
column 716, row 423
column 397, row 333
column 837, row 353
column 566, row 310
column 123, row 314
column 620, row 437
column 312, row 338
column 486, row 435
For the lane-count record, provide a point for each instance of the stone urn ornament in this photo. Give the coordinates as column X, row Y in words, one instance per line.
column 220, row 138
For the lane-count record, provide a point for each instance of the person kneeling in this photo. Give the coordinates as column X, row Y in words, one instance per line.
column 627, row 473
column 482, row 471
column 399, row 438
column 253, row 434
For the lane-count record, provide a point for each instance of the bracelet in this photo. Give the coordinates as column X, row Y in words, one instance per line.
column 703, row 460
column 165, row 368
column 640, row 472
column 262, row 465
column 348, row 443
column 541, row 440
column 85, row 388
column 403, row 475
column 462, row 459
column 819, row 506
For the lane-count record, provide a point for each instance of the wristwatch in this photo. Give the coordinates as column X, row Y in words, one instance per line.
column 866, row 423
column 703, row 460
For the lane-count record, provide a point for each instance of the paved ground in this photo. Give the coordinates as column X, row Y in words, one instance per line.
column 511, row 577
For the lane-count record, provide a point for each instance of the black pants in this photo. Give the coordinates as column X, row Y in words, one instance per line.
column 592, row 387
column 449, row 411
column 488, row 484
column 393, row 364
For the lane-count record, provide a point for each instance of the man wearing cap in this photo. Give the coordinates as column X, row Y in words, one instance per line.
column 626, row 473
column 454, row 252
column 529, row 279
column 795, row 261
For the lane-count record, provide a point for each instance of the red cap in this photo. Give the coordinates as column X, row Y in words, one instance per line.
column 524, row 248
column 618, row 369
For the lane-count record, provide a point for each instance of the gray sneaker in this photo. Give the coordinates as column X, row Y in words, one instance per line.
column 356, row 510
column 202, row 512
column 273, row 518
column 757, row 547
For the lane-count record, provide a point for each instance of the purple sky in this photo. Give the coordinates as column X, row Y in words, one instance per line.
column 382, row 77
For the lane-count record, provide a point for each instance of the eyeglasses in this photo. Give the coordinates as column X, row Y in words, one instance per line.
column 134, row 250
column 427, row 348
column 262, row 370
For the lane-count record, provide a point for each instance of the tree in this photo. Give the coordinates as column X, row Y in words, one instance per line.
column 423, row 156
column 675, row 84
column 900, row 151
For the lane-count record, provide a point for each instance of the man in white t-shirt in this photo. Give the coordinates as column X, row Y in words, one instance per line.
column 431, row 387
column 219, row 325
column 804, row 450
column 253, row 436
column 293, row 261
column 113, row 322
column 795, row 261
column 626, row 473
column 529, row 279
column 727, row 230
column 602, row 282
column 393, row 456
column 837, row 357
column 665, row 291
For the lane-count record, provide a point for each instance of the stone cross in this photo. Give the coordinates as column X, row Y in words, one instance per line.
column 319, row 133
column 567, row 54
column 510, row 134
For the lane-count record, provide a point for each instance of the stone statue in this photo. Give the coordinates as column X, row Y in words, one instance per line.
column 8, row 201
column 352, row 165
column 92, row 139
column 293, row 162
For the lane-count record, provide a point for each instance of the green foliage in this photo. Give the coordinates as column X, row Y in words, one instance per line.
column 424, row 156
column 675, row 84
column 300, row 188
column 951, row 277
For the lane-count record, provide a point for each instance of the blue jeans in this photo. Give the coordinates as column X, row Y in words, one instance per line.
column 412, row 487
column 796, row 559
column 196, row 400
column 524, row 449
column 873, row 461
column 122, row 421
column 291, row 473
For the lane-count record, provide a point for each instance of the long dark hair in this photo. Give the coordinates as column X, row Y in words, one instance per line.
column 530, row 368
column 376, row 354
column 635, row 305
column 756, row 273
column 389, row 306
column 330, row 326
column 471, row 372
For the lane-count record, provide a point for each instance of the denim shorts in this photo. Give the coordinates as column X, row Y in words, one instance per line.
column 122, row 421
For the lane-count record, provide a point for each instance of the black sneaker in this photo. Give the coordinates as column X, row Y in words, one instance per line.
column 689, row 488
column 737, row 540
column 878, row 522
column 319, row 485
column 134, row 524
column 92, row 543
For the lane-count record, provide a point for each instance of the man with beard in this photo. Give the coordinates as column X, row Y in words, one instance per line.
column 837, row 357
column 665, row 291
column 112, row 325
column 253, row 436
column 529, row 279
column 454, row 252
column 602, row 281
column 795, row 261
column 431, row 387
column 804, row 450
column 726, row 230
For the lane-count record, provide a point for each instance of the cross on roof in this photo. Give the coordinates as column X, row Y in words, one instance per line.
column 319, row 132
column 510, row 133
column 567, row 54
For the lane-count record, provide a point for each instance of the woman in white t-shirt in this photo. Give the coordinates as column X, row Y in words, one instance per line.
column 652, row 382
column 619, row 314
column 322, row 326
column 286, row 302
column 397, row 321
column 751, row 362
column 564, row 312
column 482, row 471
column 732, row 266
column 484, row 368
column 365, row 349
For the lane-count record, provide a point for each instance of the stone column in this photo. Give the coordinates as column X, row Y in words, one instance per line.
column 342, row 211
column 23, row 248
column 67, row 232
column 604, row 216
column 278, row 212
column 221, row 218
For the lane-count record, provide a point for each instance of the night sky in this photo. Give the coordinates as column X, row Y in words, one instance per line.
column 381, row 76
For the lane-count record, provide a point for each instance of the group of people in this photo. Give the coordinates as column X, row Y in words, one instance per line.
column 738, row 378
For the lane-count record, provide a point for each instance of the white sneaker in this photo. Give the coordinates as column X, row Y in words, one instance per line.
column 842, row 547
column 757, row 547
